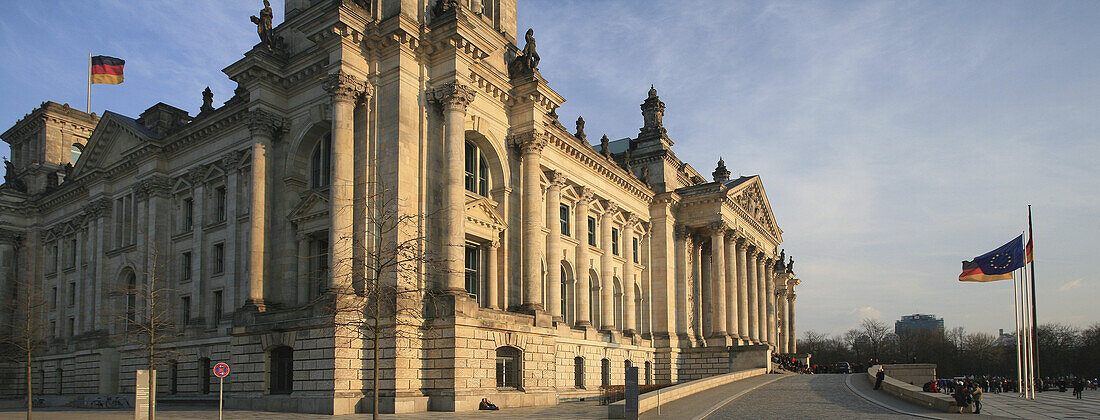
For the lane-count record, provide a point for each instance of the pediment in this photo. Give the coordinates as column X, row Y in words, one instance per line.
column 483, row 211
column 181, row 186
column 313, row 205
column 753, row 202
column 114, row 137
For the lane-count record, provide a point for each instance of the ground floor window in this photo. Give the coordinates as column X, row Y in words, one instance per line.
column 508, row 367
column 282, row 370
column 173, row 377
column 648, row 373
column 473, row 270
column 605, row 372
column 204, row 374
column 578, row 372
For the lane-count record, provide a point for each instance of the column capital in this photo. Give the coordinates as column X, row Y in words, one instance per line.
column 610, row 209
column 97, row 207
column 10, row 237
column 680, row 231
column 345, row 87
column 154, row 186
column 585, row 195
column 452, row 96
column 557, row 179
column 529, row 142
column 717, row 228
column 265, row 123
column 791, row 296
column 632, row 222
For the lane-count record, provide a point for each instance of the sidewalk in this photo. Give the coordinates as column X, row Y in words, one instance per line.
column 702, row 403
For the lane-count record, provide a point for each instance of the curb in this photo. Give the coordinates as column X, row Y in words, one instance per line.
column 736, row 396
column 848, row 383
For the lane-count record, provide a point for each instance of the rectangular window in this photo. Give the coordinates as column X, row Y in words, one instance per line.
column 615, row 241
column 204, row 373
column 563, row 215
column 72, row 327
column 185, row 266
column 53, row 298
column 217, row 307
column 473, row 270
column 471, row 167
column 72, row 294
column 634, row 248
column 592, row 231
column 188, row 210
column 219, row 199
column 185, row 303
column 72, row 253
column 54, row 259
column 219, row 258
column 173, row 377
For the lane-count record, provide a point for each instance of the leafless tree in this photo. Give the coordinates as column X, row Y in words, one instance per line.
column 26, row 332
column 876, row 332
column 386, row 297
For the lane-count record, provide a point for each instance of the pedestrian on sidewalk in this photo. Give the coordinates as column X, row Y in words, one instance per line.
column 977, row 397
column 961, row 397
column 879, row 377
column 1078, row 388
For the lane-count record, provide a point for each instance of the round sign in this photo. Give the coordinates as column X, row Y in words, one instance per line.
column 221, row 370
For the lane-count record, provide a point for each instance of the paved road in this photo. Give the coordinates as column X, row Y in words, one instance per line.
column 803, row 396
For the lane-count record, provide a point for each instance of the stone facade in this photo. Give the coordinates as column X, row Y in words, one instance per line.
column 554, row 262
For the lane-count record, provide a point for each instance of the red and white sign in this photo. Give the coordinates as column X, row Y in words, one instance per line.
column 221, row 370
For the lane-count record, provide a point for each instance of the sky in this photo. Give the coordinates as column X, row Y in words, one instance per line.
column 894, row 139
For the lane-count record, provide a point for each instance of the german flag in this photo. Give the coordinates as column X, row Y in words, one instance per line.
column 997, row 264
column 1028, row 250
column 107, row 70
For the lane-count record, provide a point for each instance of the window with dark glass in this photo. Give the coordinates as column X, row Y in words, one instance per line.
column 53, row 297
column 185, row 304
column 628, row 364
column 131, row 296
column 54, row 259
column 217, row 307
column 321, row 262
column 648, row 373
column 473, row 270
column 219, row 198
column 605, row 372
column 282, row 370
column 173, row 377
column 563, row 216
column 615, row 241
column 188, row 210
column 320, row 166
column 60, row 381
column 565, row 298
column 185, row 266
column 578, row 372
column 477, row 171
column 634, row 248
column 72, row 253
column 72, row 294
column 508, row 367
column 72, row 327
column 219, row 258
column 74, row 153
column 592, row 231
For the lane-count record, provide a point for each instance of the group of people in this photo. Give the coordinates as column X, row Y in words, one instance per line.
column 788, row 363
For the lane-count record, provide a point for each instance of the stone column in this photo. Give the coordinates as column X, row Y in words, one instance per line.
column 630, row 325
column 791, row 333
column 344, row 90
column 453, row 98
column 718, row 279
column 553, row 245
column 262, row 126
column 492, row 293
column 769, row 267
column 534, row 217
column 303, row 269
column 732, row 291
column 581, row 288
column 682, row 285
column 698, row 299
column 8, row 241
column 761, row 298
column 607, row 273
column 742, row 289
column 754, row 296
column 784, row 335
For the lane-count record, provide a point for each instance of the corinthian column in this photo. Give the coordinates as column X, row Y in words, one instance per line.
column 607, row 289
column 762, row 298
column 453, row 98
column 732, row 303
column 262, row 125
column 718, row 279
column 784, row 333
column 742, row 289
column 793, row 343
column 682, row 284
column 581, row 288
column 629, row 321
column 754, row 295
column 530, row 145
column 769, row 267
column 553, row 245
column 345, row 90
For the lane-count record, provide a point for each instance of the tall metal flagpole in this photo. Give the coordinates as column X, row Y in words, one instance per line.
column 1028, row 368
column 1019, row 350
column 1034, row 318
column 89, row 108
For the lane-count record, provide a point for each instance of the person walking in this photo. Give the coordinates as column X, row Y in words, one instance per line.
column 961, row 397
column 977, row 397
column 879, row 377
column 1078, row 388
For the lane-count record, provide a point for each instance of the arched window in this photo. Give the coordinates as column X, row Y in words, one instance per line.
column 648, row 373
column 320, row 163
column 565, row 297
column 477, row 171
column 131, row 296
column 578, row 372
column 628, row 364
column 638, row 319
column 594, row 300
column 282, row 370
column 74, row 152
column 618, row 302
column 605, row 372
column 508, row 367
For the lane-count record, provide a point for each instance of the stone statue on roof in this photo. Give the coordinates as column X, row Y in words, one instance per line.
column 580, row 129
column 263, row 25
column 790, row 266
column 780, row 266
column 605, row 146
column 207, row 100
column 527, row 61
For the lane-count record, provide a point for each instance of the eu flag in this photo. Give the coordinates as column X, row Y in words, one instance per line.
column 997, row 264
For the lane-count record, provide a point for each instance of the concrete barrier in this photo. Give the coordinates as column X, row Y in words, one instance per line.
column 914, row 394
column 649, row 400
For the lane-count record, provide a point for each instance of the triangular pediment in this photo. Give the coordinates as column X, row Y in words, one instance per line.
column 483, row 211
column 753, row 202
column 313, row 205
column 114, row 137
column 181, row 186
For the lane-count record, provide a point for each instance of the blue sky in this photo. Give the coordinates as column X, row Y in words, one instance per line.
column 894, row 138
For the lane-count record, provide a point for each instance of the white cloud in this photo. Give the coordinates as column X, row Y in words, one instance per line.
column 1070, row 286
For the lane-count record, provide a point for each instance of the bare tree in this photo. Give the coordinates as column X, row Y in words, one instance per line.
column 876, row 332
column 386, row 297
column 26, row 332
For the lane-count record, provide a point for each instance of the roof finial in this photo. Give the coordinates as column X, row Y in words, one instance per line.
column 721, row 174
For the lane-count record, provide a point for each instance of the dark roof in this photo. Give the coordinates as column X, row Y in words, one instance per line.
column 735, row 182
column 616, row 146
column 133, row 124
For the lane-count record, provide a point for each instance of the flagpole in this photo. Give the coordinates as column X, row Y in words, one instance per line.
column 1019, row 350
column 1029, row 368
column 1034, row 317
column 89, row 108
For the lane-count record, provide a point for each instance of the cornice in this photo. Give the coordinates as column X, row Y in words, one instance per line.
column 570, row 146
